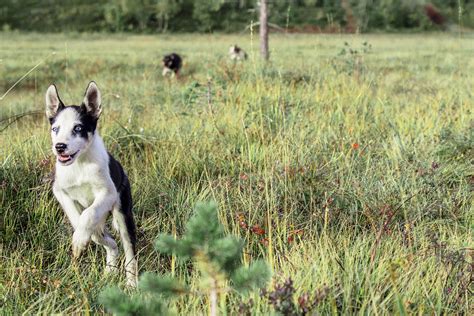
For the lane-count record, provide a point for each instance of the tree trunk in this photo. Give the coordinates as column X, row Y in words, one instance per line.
column 352, row 25
column 213, row 298
column 264, row 29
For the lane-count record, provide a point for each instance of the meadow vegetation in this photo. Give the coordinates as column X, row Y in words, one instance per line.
column 346, row 163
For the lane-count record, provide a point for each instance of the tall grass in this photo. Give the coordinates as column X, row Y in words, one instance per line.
column 351, row 172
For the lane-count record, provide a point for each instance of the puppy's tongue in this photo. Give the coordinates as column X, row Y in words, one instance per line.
column 64, row 157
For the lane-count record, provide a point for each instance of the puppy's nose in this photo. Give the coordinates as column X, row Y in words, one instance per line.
column 60, row 147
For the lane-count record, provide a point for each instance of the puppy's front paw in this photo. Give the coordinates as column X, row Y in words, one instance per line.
column 80, row 239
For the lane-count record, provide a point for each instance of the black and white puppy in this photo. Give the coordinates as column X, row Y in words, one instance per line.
column 172, row 64
column 236, row 53
column 89, row 183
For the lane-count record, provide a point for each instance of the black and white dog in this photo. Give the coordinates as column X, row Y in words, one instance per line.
column 89, row 182
column 172, row 64
column 236, row 53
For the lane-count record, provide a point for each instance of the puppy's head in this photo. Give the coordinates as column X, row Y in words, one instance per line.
column 168, row 61
column 172, row 61
column 234, row 49
column 72, row 127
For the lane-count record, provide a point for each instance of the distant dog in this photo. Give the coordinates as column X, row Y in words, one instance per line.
column 236, row 53
column 89, row 182
column 172, row 64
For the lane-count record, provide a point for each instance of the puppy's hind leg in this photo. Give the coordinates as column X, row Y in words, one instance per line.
column 104, row 239
column 124, row 223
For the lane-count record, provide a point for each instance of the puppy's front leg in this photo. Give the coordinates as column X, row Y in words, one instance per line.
column 91, row 220
column 68, row 206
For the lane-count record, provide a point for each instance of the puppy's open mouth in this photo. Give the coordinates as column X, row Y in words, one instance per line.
column 66, row 158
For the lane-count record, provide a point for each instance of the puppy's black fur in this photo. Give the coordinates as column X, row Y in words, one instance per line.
column 122, row 185
column 173, row 62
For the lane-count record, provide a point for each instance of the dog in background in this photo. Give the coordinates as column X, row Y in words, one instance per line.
column 172, row 64
column 236, row 53
column 89, row 183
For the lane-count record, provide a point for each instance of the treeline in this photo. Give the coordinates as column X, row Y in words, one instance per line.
column 151, row 16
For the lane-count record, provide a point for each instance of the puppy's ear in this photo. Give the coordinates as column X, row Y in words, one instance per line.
column 92, row 100
column 53, row 102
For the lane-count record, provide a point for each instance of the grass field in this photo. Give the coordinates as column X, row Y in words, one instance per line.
column 351, row 173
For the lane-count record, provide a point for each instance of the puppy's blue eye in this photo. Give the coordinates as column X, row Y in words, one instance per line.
column 55, row 129
column 77, row 128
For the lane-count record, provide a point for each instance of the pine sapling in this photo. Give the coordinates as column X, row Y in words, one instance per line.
column 216, row 256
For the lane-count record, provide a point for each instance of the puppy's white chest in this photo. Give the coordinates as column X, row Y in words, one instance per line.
column 83, row 194
column 79, row 184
